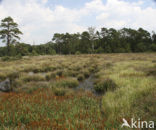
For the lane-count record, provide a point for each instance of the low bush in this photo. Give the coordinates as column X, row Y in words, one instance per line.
column 77, row 53
column 11, row 58
column 5, row 58
column 69, row 82
column 105, row 85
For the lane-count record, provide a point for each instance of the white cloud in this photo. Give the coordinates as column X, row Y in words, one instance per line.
column 119, row 13
column 39, row 22
column 44, row 1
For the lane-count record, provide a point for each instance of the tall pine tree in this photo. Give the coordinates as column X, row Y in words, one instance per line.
column 9, row 32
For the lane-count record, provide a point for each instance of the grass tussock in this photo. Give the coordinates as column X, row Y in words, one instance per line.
column 105, row 85
column 80, row 77
column 36, row 77
column 67, row 83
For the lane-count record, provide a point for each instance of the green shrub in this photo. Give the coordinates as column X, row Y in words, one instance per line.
column 69, row 82
column 153, row 47
column 77, row 53
column 105, row 85
column 11, row 58
column 100, row 50
column 5, row 58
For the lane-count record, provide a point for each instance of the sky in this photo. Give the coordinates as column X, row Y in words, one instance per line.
column 40, row 19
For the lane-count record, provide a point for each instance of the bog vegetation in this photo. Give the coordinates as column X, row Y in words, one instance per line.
column 44, row 92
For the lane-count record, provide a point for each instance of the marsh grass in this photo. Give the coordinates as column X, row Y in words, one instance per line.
column 35, row 77
column 151, row 71
column 45, row 100
column 66, row 83
column 105, row 85
column 132, row 86
column 80, row 77
column 60, row 91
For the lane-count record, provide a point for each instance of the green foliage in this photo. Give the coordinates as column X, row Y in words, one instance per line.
column 105, row 85
column 9, row 58
column 100, row 50
column 52, row 52
column 54, row 105
column 104, row 41
column 141, row 47
column 77, row 53
column 67, row 83
column 35, row 77
column 5, row 58
column 9, row 32
column 153, row 47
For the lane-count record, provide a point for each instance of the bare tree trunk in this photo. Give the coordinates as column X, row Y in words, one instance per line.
column 8, row 45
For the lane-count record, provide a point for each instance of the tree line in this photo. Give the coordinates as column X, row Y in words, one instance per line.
column 91, row 41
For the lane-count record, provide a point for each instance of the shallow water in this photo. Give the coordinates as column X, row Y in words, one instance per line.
column 88, row 85
column 41, row 73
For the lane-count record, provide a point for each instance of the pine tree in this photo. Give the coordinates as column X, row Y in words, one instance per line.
column 9, row 32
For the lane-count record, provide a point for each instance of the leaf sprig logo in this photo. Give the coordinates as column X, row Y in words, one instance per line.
column 137, row 124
